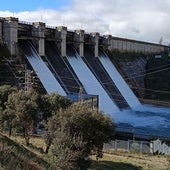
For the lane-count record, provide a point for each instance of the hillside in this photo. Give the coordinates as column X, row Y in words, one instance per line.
column 15, row 155
column 147, row 75
column 158, row 77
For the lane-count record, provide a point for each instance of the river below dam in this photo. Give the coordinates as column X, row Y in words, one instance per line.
column 146, row 120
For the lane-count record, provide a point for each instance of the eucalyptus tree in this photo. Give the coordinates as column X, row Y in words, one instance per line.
column 5, row 118
column 91, row 129
column 5, row 90
column 22, row 111
column 50, row 103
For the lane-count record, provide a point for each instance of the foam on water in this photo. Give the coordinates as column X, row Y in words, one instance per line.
column 148, row 118
column 152, row 108
column 141, row 119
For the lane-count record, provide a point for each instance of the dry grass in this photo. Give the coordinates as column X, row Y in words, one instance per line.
column 127, row 161
column 36, row 143
column 115, row 161
column 33, row 155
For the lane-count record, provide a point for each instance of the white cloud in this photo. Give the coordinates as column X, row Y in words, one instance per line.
column 146, row 20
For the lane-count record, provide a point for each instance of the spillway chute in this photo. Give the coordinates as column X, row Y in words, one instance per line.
column 46, row 77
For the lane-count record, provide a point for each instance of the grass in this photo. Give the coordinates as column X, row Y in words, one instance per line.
column 127, row 161
column 30, row 154
column 115, row 161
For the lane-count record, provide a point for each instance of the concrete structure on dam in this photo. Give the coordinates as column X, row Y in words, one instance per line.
column 12, row 30
column 74, row 64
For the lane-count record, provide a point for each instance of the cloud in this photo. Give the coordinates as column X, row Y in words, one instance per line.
column 141, row 20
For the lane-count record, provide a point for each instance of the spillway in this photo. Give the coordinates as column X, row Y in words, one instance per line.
column 47, row 79
column 63, row 69
column 103, row 77
column 120, row 83
column 90, row 83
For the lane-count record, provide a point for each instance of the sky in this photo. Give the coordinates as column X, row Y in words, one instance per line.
column 143, row 20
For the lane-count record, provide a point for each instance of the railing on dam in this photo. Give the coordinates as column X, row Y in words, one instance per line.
column 25, row 22
column 51, row 27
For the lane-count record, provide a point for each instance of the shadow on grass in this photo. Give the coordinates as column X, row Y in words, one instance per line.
column 109, row 165
column 38, row 149
column 20, row 149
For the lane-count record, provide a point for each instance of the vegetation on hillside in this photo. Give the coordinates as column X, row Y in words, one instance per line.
column 36, row 159
column 156, row 81
column 158, row 77
column 73, row 130
column 74, row 133
column 15, row 155
column 124, row 56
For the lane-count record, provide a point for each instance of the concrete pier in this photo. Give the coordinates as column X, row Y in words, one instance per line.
column 79, row 41
column 106, row 41
column 95, row 39
column 1, row 30
column 10, row 34
column 38, row 31
column 63, row 35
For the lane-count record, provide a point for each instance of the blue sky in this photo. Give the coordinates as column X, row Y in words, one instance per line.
column 30, row 5
column 145, row 20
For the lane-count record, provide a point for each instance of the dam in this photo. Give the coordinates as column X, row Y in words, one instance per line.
column 69, row 61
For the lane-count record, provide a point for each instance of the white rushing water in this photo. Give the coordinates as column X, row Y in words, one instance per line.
column 47, row 79
column 120, row 83
column 150, row 118
column 146, row 119
column 91, row 84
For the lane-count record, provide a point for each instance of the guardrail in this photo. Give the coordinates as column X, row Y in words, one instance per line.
column 128, row 146
column 154, row 147
column 24, row 22
column 52, row 27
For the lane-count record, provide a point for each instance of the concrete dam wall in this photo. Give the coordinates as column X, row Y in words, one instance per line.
column 74, row 60
column 12, row 30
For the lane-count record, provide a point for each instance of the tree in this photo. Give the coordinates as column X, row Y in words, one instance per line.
column 69, row 152
column 22, row 110
column 91, row 128
column 49, row 104
column 7, row 120
column 1, row 118
column 5, row 91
